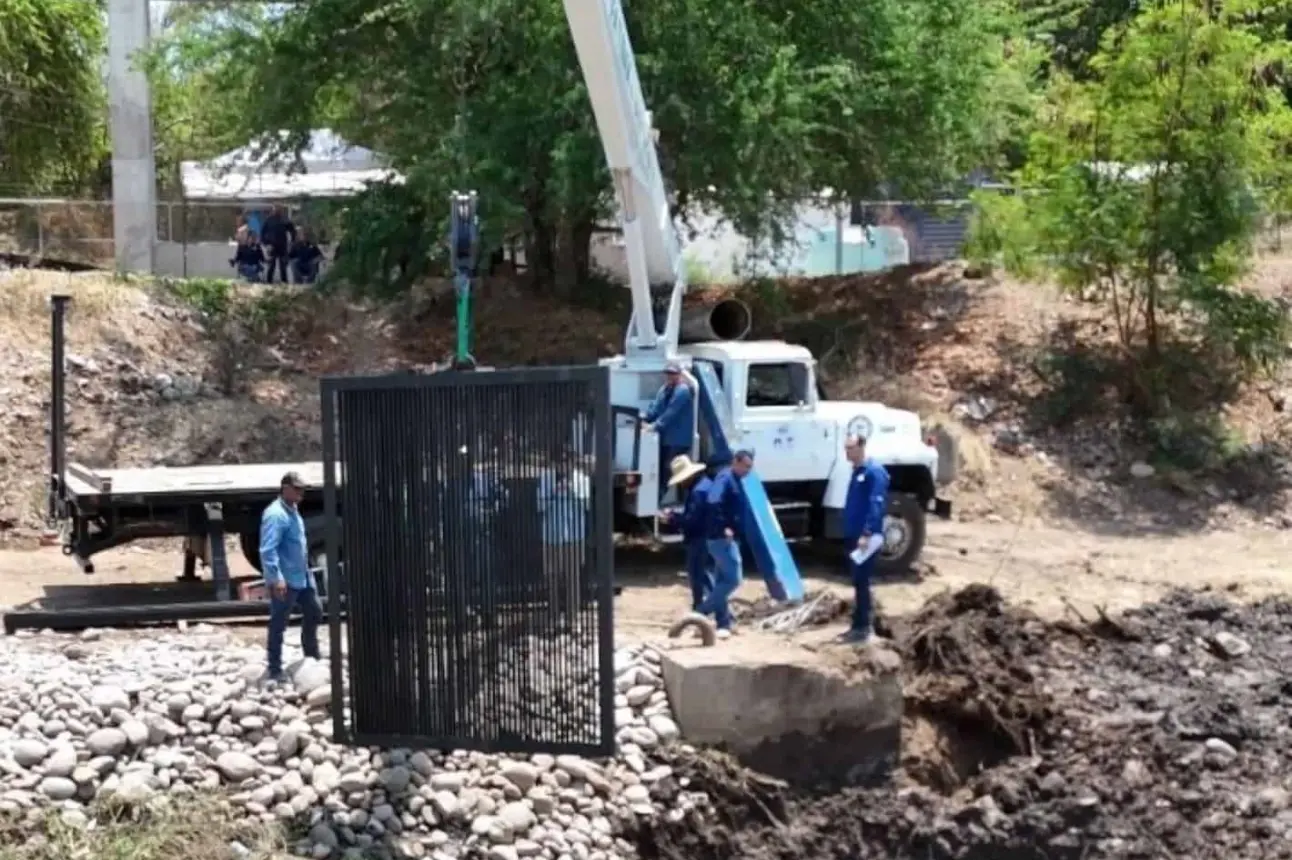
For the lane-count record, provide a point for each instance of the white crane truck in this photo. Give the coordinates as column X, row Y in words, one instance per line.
column 759, row 395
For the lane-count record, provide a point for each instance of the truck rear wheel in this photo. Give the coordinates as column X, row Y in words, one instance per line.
column 250, row 544
column 904, row 529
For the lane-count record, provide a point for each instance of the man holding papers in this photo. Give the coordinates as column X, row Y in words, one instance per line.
column 863, row 531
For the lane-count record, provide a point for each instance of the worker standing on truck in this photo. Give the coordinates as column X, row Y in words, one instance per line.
column 724, row 521
column 863, row 531
column 285, row 561
column 672, row 417
column 690, row 521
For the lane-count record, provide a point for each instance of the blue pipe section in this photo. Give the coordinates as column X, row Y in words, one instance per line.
column 763, row 533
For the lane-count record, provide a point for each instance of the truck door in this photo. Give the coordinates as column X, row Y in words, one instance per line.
column 780, row 425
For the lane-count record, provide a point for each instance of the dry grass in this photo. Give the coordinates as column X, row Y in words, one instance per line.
column 96, row 298
column 197, row 828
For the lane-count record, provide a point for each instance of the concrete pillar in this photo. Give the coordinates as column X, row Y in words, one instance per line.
column 134, row 174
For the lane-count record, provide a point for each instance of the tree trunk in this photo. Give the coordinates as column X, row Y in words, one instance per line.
column 540, row 253
column 574, row 257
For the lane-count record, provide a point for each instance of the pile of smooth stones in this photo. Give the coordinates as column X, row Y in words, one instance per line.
column 168, row 716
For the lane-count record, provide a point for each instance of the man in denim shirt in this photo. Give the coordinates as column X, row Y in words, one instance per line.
column 724, row 521
column 285, row 561
column 564, row 501
column 672, row 416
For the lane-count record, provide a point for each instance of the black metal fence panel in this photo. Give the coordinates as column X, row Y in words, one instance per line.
column 471, row 515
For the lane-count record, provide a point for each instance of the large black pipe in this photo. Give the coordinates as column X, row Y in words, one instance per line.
column 729, row 319
column 57, row 403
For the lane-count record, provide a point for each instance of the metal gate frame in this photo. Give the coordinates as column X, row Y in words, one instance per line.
column 332, row 389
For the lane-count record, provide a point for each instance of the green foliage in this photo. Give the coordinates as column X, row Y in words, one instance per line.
column 212, row 297
column 52, row 104
column 1071, row 30
column 1001, row 231
column 1193, row 441
column 1144, row 187
column 757, row 107
column 220, row 300
column 697, row 271
column 391, row 239
column 200, row 68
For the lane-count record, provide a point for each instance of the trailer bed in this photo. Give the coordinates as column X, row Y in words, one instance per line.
column 213, row 482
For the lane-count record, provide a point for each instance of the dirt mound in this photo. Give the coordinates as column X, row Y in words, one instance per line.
column 190, row 372
column 1160, row 735
column 969, row 662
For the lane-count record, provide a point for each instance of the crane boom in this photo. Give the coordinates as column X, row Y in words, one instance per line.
column 654, row 257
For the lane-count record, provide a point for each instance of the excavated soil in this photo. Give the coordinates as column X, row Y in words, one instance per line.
column 1159, row 734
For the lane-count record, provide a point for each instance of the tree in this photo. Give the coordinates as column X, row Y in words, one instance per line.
column 199, row 68
column 1145, row 186
column 757, row 106
column 1073, row 29
column 52, row 100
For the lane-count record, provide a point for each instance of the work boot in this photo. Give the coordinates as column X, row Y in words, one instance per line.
column 857, row 637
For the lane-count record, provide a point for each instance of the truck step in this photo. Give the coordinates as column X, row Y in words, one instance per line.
column 795, row 518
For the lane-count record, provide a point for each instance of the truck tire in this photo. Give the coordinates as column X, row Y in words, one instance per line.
column 904, row 513
column 250, row 544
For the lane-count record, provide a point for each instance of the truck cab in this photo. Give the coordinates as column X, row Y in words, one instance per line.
column 766, row 398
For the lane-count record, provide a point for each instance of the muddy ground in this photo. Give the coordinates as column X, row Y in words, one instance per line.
column 1161, row 733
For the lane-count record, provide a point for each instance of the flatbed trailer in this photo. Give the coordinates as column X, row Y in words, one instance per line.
column 97, row 510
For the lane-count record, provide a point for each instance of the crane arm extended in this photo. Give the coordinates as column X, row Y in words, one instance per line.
column 654, row 257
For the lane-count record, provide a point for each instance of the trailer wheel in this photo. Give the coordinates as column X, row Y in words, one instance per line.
column 250, row 543
column 904, row 530
column 317, row 555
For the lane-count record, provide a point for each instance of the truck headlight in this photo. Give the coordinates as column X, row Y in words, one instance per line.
column 860, row 427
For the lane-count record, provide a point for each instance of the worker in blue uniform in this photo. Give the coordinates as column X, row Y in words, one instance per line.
column 863, row 531
column 724, row 525
column 690, row 522
column 672, row 417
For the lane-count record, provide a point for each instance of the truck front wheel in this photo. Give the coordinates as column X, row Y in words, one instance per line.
column 904, row 527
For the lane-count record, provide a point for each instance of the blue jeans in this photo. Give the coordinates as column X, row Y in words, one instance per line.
column 727, row 577
column 250, row 273
column 280, row 609
column 862, row 574
column 699, row 570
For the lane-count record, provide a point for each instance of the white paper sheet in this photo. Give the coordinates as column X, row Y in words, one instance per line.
column 873, row 544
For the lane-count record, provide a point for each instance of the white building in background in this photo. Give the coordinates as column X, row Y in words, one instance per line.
column 328, row 167
column 247, row 181
column 824, row 243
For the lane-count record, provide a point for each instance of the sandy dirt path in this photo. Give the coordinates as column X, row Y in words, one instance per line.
column 1047, row 569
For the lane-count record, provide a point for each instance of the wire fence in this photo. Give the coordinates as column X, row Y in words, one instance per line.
column 80, row 231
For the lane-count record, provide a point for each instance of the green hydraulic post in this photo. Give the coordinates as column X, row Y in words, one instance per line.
column 464, row 245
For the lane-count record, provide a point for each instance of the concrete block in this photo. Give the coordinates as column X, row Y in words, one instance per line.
column 827, row 716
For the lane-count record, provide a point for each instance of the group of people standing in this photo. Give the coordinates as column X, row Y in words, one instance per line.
column 711, row 519
column 280, row 246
